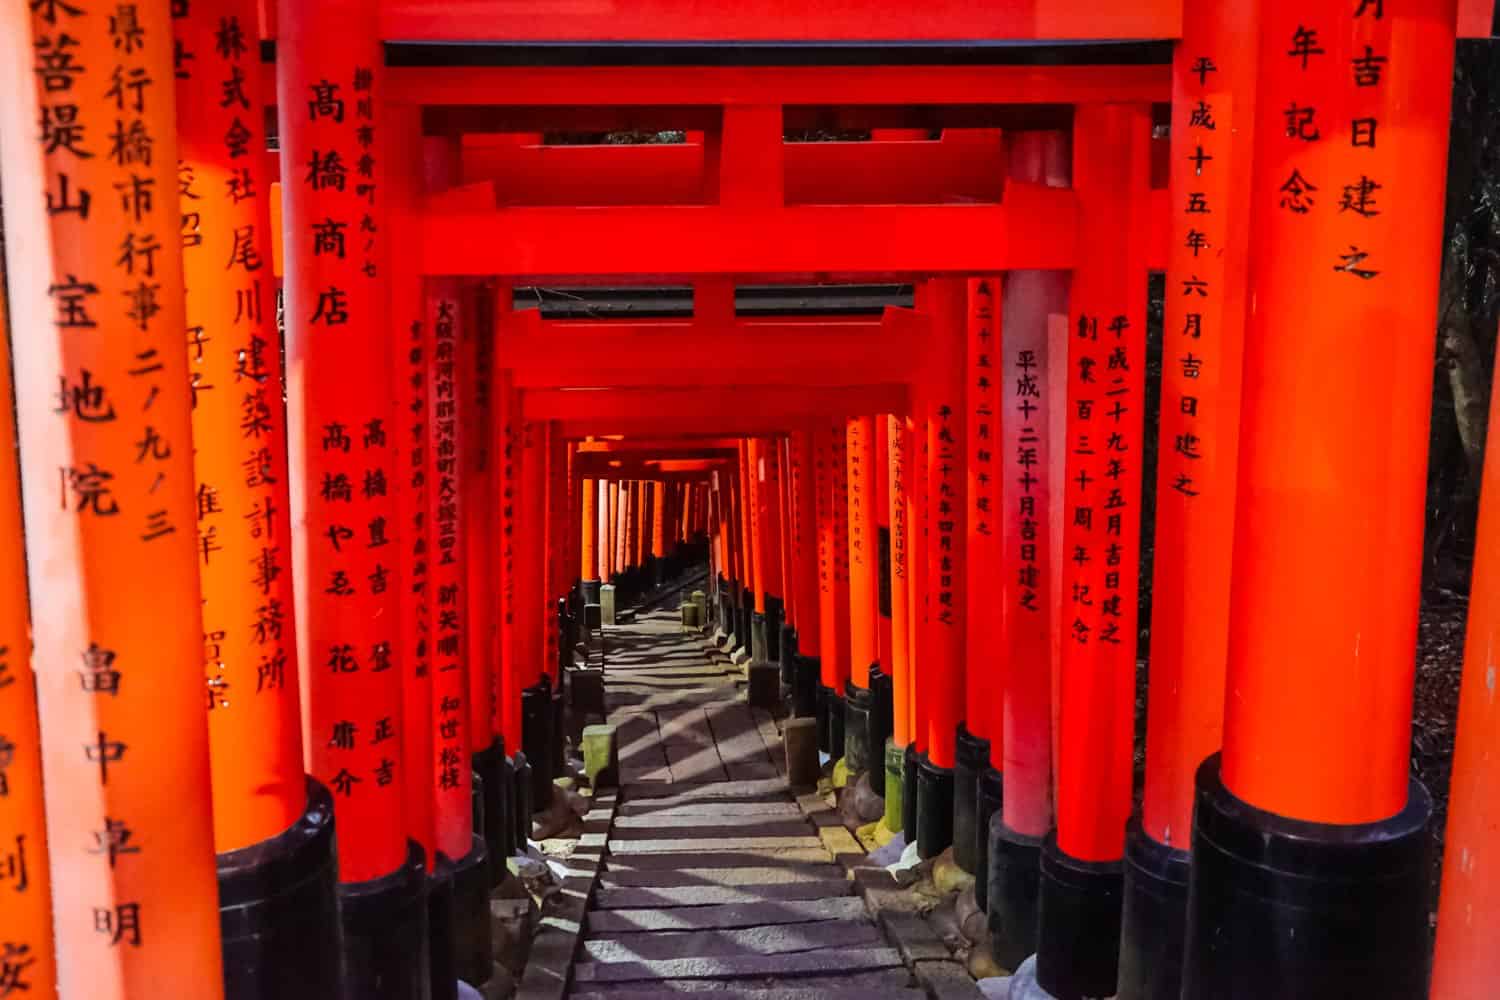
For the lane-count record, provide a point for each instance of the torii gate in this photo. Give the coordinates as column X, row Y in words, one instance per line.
column 386, row 381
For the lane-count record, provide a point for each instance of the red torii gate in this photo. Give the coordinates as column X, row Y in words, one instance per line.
column 755, row 191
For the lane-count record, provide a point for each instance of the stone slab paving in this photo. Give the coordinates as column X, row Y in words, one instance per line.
column 715, row 881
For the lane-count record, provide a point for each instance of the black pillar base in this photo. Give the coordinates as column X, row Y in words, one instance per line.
column 1078, row 925
column 386, row 952
column 789, row 653
column 909, row 793
column 522, row 785
column 278, row 911
column 536, row 740
column 970, row 755
column 991, row 796
column 856, row 729
column 1014, row 888
column 747, row 612
column 757, row 637
column 934, row 807
column 805, row 686
column 820, row 709
column 440, row 930
column 1153, row 928
column 588, row 591
column 837, row 714
column 879, row 726
column 1295, row 910
column 775, row 618
column 559, row 744
column 494, row 823
column 472, row 949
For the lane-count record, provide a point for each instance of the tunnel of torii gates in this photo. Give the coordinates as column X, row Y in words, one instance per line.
column 301, row 594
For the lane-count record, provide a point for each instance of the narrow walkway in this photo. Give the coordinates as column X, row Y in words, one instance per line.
column 714, row 879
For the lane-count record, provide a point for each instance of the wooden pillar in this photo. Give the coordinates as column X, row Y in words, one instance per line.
column 882, row 479
column 658, row 518
column 1032, row 457
column 1213, row 100
column 448, row 766
column 479, row 502
column 786, row 519
column 1466, row 961
column 833, row 595
column 1346, row 203
column 770, row 484
column 255, row 733
column 805, row 544
column 27, row 955
column 864, row 637
column 589, row 570
column 985, row 676
column 511, row 537
column 337, row 386
column 754, row 505
column 638, row 544
column 898, row 438
column 1101, row 541
column 103, row 410
column 612, row 527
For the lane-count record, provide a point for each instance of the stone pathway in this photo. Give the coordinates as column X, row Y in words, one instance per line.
column 714, row 879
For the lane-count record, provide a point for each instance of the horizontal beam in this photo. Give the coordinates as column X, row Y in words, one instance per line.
column 603, row 467
column 714, row 86
column 964, row 165
column 564, row 353
column 658, row 445
column 1034, row 228
column 730, row 423
column 611, row 410
column 777, row 20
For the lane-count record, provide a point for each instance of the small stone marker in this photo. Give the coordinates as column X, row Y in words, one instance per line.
column 607, row 604
column 601, row 756
column 801, row 739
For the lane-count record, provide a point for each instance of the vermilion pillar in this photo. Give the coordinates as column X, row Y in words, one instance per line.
column 333, row 145
column 478, row 507
column 103, row 409
column 787, row 515
column 1081, row 865
column 26, row 948
column 510, row 560
column 1346, row 196
column 610, row 565
column 1030, row 459
column 533, row 618
column 1466, row 963
column 864, row 611
column 603, row 530
column 1213, row 99
column 805, row 562
column 946, row 302
column 898, row 444
column 771, row 532
column 450, row 774
column 452, row 811
column 638, row 548
column 833, row 616
column 882, row 478
column 589, row 568
column 251, row 668
column 979, row 739
column 243, row 513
